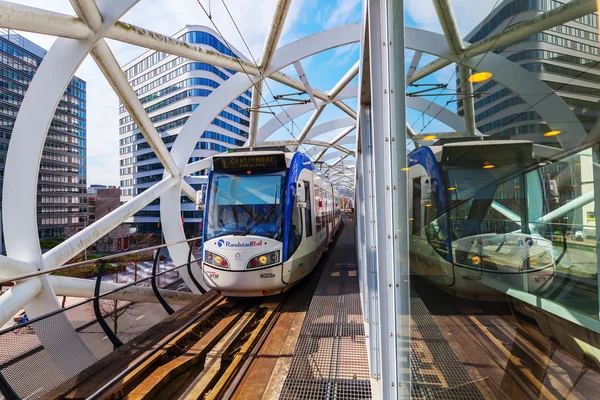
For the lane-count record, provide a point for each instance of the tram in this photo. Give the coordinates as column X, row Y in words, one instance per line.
column 464, row 234
column 268, row 218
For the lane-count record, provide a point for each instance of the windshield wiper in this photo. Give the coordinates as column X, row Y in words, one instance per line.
column 259, row 219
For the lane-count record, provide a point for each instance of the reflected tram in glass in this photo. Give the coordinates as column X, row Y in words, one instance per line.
column 479, row 219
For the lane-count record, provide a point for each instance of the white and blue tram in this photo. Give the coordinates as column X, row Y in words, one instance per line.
column 268, row 219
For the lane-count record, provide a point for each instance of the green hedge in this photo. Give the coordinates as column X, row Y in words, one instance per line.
column 90, row 270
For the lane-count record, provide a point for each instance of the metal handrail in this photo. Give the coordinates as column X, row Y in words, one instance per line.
column 60, row 310
column 94, row 261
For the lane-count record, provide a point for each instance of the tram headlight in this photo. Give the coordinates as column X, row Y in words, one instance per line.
column 215, row 260
column 537, row 261
column 264, row 260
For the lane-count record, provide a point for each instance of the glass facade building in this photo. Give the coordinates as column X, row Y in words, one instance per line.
column 61, row 193
column 170, row 88
column 565, row 57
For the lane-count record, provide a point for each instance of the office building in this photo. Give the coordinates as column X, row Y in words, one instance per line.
column 61, row 197
column 171, row 88
column 567, row 59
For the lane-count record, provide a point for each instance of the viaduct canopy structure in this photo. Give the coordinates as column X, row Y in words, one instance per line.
column 367, row 159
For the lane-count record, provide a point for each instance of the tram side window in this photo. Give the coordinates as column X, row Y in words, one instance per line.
column 295, row 234
column 308, row 210
column 319, row 209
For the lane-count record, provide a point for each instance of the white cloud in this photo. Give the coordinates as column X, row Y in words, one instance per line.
column 468, row 13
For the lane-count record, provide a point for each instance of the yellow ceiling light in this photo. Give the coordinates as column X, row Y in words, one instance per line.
column 451, row 188
column 480, row 77
column 430, row 137
column 405, row 168
column 552, row 133
column 487, row 165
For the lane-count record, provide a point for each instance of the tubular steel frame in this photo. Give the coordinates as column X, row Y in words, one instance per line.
column 380, row 126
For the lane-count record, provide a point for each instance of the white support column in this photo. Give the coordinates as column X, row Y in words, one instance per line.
column 399, row 279
column 112, row 71
column 388, row 135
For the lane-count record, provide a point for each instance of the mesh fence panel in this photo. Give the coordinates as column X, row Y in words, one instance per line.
column 330, row 358
column 31, row 369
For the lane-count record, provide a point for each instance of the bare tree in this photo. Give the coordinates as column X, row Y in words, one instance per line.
column 140, row 241
column 115, row 309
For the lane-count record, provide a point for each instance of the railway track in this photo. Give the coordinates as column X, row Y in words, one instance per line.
column 204, row 359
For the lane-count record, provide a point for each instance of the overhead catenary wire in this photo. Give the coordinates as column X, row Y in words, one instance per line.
column 275, row 99
column 229, row 47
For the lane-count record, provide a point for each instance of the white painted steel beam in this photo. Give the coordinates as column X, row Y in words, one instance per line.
column 114, row 74
column 84, row 288
column 87, row 10
column 342, row 83
column 12, row 301
column 12, row 267
column 280, row 11
column 23, row 159
column 89, row 235
column 310, row 123
column 446, row 17
column 304, row 80
column 188, row 190
column 414, row 64
column 342, row 135
column 132, row 34
column 31, row 19
column 320, row 155
column 560, row 15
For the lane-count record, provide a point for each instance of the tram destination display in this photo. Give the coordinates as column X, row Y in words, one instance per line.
column 255, row 163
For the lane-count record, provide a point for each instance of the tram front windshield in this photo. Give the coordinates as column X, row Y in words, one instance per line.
column 245, row 205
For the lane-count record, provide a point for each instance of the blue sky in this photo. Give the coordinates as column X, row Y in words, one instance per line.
column 252, row 16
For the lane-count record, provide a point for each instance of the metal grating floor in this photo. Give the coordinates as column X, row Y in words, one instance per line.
column 330, row 358
column 437, row 373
